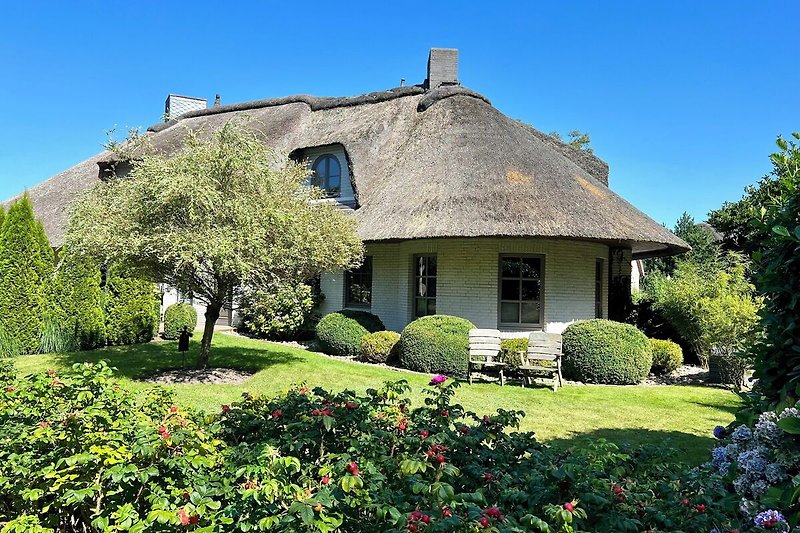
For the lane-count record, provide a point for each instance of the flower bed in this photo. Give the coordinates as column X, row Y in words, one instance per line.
column 79, row 452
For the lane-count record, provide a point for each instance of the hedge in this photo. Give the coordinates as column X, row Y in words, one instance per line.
column 131, row 309
column 179, row 316
column 667, row 356
column 602, row 351
column 78, row 301
column 437, row 344
column 340, row 333
column 380, row 347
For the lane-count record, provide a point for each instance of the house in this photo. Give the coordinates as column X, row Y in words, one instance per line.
column 463, row 210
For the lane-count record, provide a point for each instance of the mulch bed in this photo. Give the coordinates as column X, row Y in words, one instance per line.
column 209, row 376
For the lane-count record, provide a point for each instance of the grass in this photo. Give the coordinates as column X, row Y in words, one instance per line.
column 683, row 415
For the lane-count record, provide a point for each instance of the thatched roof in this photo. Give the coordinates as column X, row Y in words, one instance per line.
column 435, row 164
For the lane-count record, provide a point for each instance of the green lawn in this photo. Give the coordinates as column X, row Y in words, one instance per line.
column 684, row 415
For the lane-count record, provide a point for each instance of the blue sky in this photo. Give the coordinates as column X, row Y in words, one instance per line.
column 683, row 99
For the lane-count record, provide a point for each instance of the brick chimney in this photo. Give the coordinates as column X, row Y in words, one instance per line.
column 442, row 68
column 177, row 105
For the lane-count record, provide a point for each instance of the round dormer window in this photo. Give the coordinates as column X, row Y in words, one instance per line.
column 327, row 174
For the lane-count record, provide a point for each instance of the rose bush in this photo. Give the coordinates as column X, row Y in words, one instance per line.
column 79, row 453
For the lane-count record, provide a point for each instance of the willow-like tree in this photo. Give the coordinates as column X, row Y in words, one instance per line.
column 223, row 212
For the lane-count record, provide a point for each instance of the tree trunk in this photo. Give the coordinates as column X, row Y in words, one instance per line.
column 212, row 314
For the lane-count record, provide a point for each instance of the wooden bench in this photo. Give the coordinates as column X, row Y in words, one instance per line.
column 542, row 347
column 484, row 354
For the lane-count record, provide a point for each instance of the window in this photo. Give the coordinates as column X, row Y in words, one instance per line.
column 327, row 174
column 358, row 285
column 598, row 288
column 424, row 285
column 520, row 290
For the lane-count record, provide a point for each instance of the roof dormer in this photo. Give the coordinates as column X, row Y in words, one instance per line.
column 330, row 171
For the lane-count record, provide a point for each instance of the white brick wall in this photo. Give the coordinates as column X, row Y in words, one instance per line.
column 468, row 279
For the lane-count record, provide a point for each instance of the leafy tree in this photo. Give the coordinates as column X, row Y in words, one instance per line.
column 735, row 220
column 26, row 264
column 78, row 300
column 576, row 138
column 222, row 213
column 706, row 250
column 131, row 308
column 708, row 307
column 777, row 268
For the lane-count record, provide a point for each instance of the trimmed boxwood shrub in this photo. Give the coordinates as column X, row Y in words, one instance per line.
column 380, row 346
column 509, row 349
column 603, row 351
column 340, row 333
column 667, row 356
column 176, row 317
column 437, row 344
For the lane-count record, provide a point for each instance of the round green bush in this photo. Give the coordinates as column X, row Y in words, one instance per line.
column 667, row 356
column 602, row 351
column 179, row 316
column 340, row 333
column 380, row 346
column 436, row 344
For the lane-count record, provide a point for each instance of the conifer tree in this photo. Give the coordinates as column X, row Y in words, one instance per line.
column 131, row 308
column 26, row 264
column 78, row 300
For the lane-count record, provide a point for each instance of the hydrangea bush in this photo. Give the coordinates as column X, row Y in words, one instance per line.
column 760, row 466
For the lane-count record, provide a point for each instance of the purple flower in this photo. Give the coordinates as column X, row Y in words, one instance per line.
column 770, row 518
column 720, row 432
column 438, row 379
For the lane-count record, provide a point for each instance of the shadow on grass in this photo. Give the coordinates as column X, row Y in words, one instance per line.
column 688, row 448
column 142, row 360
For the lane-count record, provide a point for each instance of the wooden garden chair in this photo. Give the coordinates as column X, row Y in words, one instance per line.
column 542, row 347
column 484, row 354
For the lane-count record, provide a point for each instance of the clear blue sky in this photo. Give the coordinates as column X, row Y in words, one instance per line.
column 683, row 99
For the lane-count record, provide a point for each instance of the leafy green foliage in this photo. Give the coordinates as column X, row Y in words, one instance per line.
column 706, row 249
column 575, row 138
column 380, row 347
column 708, row 308
column 510, row 348
column 77, row 306
column 737, row 220
column 602, row 351
column 667, row 356
column 131, row 308
column 26, row 265
column 78, row 452
column 340, row 333
column 178, row 316
column 777, row 264
column 436, row 344
column 222, row 213
column 279, row 312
